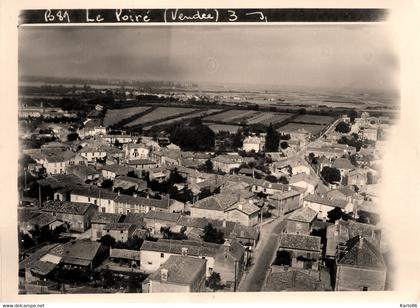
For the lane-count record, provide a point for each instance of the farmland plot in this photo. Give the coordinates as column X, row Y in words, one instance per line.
column 314, row 119
column 190, row 116
column 225, row 116
column 114, row 116
column 160, row 113
column 268, row 118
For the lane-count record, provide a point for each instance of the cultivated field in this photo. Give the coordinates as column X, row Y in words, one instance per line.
column 248, row 117
column 223, row 127
column 268, row 118
column 190, row 116
column 314, row 119
column 160, row 113
column 291, row 127
column 114, row 116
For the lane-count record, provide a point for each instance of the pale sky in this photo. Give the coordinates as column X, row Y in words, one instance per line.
column 354, row 56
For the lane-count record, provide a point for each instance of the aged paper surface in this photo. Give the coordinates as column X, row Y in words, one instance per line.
column 400, row 196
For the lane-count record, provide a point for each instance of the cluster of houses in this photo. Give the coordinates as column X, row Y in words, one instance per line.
column 101, row 186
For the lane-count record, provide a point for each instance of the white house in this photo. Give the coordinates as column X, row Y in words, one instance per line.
column 253, row 143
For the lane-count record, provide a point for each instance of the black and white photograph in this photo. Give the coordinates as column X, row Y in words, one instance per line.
column 204, row 157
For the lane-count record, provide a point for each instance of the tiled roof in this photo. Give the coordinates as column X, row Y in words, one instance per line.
column 42, row 219
column 116, row 168
column 244, row 232
column 135, row 218
column 362, row 253
column 303, row 177
column 104, row 218
column 304, row 214
column 245, row 207
column 129, row 180
column 25, row 215
column 140, row 162
column 291, row 280
column 94, row 192
column 356, row 228
column 195, row 248
column 300, row 242
column 67, row 207
column 181, row 270
column 120, row 226
column 219, row 202
column 81, row 170
column 342, row 163
column 156, row 215
column 125, row 254
column 326, row 201
column 158, row 203
column 83, row 250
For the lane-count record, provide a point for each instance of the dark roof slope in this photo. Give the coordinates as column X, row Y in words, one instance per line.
column 362, row 253
column 300, row 242
column 67, row 207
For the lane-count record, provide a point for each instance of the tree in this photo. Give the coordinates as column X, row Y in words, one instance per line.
column 343, row 128
column 283, row 180
column 283, row 258
column 352, row 114
column 107, row 183
column 208, row 165
column 335, row 214
column 331, row 175
column 213, row 235
column 271, row 178
column 237, row 140
column 107, row 240
column 175, row 177
column 272, row 139
column 72, row 137
column 213, row 282
column 284, row 145
column 193, row 138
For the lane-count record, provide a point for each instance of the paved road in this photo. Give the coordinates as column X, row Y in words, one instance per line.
column 264, row 255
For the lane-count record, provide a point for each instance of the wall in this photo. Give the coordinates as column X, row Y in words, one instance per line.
column 353, row 279
column 154, row 257
column 196, row 212
column 298, row 227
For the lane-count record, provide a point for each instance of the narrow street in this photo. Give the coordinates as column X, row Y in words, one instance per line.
column 264, row 254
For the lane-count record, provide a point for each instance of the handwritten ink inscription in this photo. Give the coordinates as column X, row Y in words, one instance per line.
column 153, row 15
column 60, row 16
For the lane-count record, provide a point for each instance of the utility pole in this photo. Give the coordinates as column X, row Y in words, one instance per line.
column 234, row 286
column 39, row 195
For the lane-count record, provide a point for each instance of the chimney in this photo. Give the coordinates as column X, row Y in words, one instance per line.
column 164, row 274
column 134, row 195
column 184, row 251
column 224, row 223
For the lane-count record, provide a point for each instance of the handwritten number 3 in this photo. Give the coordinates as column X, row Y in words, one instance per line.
column 232, row 15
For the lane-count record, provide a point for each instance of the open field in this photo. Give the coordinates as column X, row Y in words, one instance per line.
column 190, row 116
column 231, row 115
column 248, row 117
column 223, row 127
column 291, row 127
column 114, row 116
column 314, row 119
column 160, row 113
column 268, row 118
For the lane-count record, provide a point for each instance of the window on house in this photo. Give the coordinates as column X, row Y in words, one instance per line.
column 107, row 231
column 121, row 231
column 365, row 288
column 162, row 255
column 88, row 199
column 103, row 210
